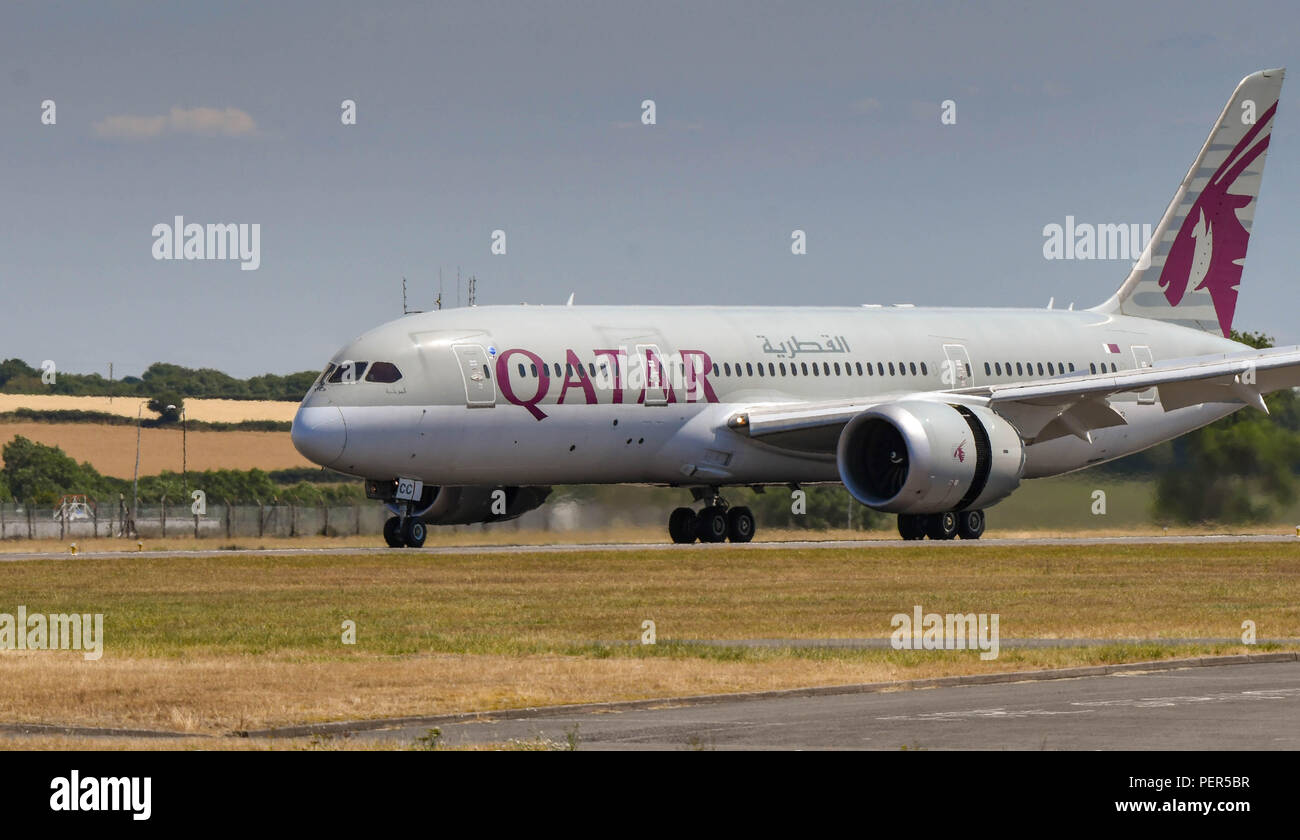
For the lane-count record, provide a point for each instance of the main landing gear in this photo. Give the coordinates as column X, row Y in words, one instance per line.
column 967, row 524
column 715, row 523
column 405, row 530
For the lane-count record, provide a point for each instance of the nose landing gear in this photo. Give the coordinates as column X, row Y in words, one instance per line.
column 967, row 524
column 405, row 530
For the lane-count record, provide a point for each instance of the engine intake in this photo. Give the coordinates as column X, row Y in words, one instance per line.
column 929, row 457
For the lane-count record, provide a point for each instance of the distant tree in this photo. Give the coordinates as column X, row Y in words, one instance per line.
column 167, row 406
column 1236, row 469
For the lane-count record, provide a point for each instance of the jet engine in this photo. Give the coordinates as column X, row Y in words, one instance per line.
column 465, row 505
column 915, row 456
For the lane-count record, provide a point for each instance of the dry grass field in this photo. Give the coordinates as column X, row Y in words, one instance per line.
column 213, row 645
column 211, row 411
column 111, row 449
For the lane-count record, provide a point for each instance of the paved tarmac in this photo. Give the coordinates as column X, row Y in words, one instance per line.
column 1252, row 706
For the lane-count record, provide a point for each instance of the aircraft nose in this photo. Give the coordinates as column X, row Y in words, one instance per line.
column 319, row 433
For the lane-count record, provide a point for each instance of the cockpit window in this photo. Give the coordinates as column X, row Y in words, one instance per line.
column 383, row 372
column 324, row 375
column 347, row 372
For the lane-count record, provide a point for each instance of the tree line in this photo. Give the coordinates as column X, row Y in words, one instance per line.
column 167, row 383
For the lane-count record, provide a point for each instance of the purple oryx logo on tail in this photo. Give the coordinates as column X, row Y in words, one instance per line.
column 1211, row 244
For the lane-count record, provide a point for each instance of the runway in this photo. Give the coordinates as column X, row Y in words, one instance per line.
column 875, row 545
column 1252, row 706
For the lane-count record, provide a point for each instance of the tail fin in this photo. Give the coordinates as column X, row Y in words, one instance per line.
column 1190, row 271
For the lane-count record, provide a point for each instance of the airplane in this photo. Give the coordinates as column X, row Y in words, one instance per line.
column 934, row 414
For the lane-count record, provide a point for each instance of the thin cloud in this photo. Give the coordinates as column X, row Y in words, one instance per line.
column 866, row 106
column 204, row 122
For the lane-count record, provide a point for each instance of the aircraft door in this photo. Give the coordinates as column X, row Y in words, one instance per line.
column 957, row 371
column 480, row 392
column 1142, row 356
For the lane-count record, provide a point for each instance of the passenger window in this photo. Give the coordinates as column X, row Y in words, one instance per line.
column 816, row 372
column 760, row 369
column 557, row 369
column 837, row 368
column 771, row 369
column 533, row 368
column 870, row 370
column 891, row 368
column 486, row 373
column 749, row 368
column 803, row 366
column 591, row 368
column 715, row 368
column 858, row 365
column 924, row 372
column 997, row 366
column 1019, row 370
column 783, row 368
column 1071, row 367
column 726, row 366
column 521, row 369
column 880, row 368
column 1051, row 369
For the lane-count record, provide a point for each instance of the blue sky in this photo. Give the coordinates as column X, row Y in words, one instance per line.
column 526, row 117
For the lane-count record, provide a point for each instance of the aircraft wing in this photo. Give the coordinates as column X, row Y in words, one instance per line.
column 1044, row 409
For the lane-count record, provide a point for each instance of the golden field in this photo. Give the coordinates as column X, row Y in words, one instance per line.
column 111, row 449
column 210, row 411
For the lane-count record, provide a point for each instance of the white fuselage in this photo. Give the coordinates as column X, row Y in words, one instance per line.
column 659, row 384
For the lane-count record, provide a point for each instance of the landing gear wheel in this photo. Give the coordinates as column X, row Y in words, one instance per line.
column 414, row 532
column 711, row 524
column 911, row 526
column 681, row 525
column 740, row 525
column 941, row 526
column 970, row 524
column 393, row 532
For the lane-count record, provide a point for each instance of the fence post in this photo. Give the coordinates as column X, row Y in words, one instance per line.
column 94, row 519
column 63, row 521
column 228, row 514
column 162, row 517
column 325, row 515
column 31, row 531
column 2, row 520
column 293, row 520
column 356, row 519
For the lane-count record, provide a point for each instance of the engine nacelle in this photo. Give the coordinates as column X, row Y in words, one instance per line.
column 465, row 505
column 929, row 457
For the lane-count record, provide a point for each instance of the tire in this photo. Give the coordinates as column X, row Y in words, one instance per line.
column 911, row 526
column 414, row 532
column 740, row 525
column 393, row 532
column 941, row 526
column 681, row 525
column 711, row 525
column 970, row 524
